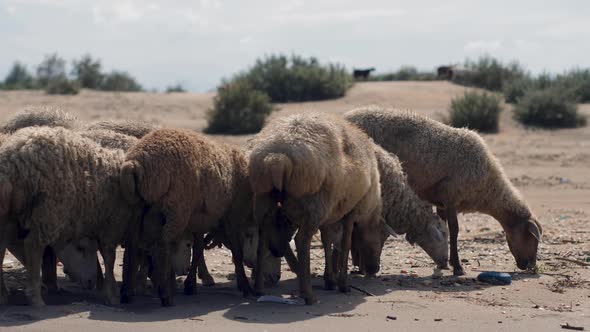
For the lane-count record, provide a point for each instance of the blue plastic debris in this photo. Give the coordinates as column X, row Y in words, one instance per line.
column 495, row 278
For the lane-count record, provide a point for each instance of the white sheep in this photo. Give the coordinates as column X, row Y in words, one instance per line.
column 55, row 187
column 453, row 169
column 311, row 171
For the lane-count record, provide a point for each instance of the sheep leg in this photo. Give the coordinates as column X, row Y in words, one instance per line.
column 110, row 284
column 343, row 255
column 453, row 223
column 238, row 258
column 190, row 283
column 3, row 290
column 202, row 271
column 143, row 272
column 162, row 274
column 99, row 275
column 440, row 211
column 258, row 273
column 303, row 244
column 33, row 254
column 291, row 259
column 49, row 269
column 329, row 269
column 130, row 267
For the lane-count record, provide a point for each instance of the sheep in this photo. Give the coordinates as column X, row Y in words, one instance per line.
column 197, row 185
column 40, row 116
column 110, row 139
column 56, row 186
column 405, row 213
column 309, row 172
column 135, row 128
column 76, row 258
column 453, row 169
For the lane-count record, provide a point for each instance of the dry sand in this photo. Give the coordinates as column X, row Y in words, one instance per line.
column 551, row 168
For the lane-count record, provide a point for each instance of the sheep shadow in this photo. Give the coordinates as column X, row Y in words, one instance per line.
column 225, row 297
column 69, row 299
column 330, row 303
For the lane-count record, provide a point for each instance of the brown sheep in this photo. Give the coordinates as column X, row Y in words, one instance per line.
column 196, row 184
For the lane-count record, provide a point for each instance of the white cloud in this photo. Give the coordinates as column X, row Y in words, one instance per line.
column 245, row 40
column 117, row 11
column 338, row 16
column 10, row 10
column 483, row 46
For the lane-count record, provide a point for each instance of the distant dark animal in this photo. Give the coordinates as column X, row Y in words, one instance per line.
column 445, row 72
column 362, row 73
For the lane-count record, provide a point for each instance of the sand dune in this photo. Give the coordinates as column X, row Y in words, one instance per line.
column 551, row 168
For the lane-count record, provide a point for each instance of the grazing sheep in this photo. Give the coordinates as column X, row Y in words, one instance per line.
column 77, row 259
column 110, row 139
column 135, row 128
column 55, row 187
column 39, row 116
column 197, row 185
column 309, row 172
column 406, row 214
column 454, row 169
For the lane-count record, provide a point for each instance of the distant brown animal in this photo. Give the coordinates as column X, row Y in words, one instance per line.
column 362, row 73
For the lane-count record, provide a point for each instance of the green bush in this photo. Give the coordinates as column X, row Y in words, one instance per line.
column 514, row 90
column 53, row 67
column 405, row 73
column 18, row 78
column 120, row 81
column 175, row 88
column 576, row 83
column 62, row 86
column 489, row 73
column 297, row 79
column 238, row 109
column 88, row 72
column 548, row 108
column 477, row 111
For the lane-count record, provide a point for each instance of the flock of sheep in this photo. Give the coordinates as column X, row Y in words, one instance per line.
column 69, row 189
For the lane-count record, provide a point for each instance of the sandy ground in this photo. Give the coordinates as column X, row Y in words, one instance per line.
column 551, row 168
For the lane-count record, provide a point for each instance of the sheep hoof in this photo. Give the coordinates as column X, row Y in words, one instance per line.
column 37, row 302
column 329, row 284
column 309, row 300
column 207, row 281
column 167, row 302
column 189, row 288
column 343, row 289
column 458, row 271
column 126, row 298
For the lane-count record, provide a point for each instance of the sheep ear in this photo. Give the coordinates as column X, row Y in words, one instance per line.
column 535, row 230
column 410, row 239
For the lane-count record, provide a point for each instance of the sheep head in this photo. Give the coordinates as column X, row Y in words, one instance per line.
column 368, row 241
column 278, row 231
column 523, row 240
column 433, row 240
column 80, row 261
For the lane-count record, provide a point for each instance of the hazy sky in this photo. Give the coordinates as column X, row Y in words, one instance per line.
column 197, row 43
